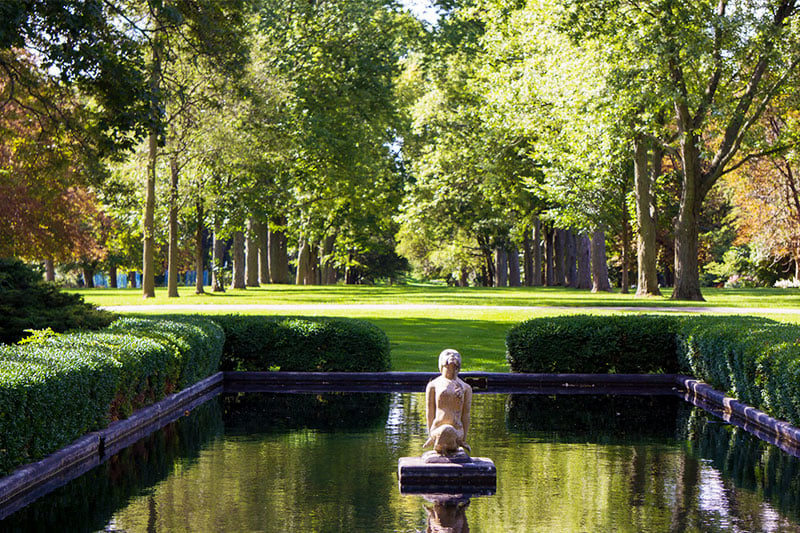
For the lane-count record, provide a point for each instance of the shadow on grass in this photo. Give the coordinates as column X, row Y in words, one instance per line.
column 416, row 342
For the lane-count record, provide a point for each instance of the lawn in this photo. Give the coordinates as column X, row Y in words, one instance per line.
column 418, row 330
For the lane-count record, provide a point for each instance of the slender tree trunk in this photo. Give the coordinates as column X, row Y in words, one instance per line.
column 302, row 263
column 571, row 256
column 217, row 257
column 251, row 254
column 549, row 253
column 513, row 267
column 88, row 277
column 537, row 252
column 527, row 258
column 49, row 270
column 463, row 280
column 278, row 254
column 501, row 264
column 263, row 252
column 112, row 277
column 148, row 230
column 625, row 281
column 239, row 267
column 326, row 261
column 646, row 246
column 584, row 262
column 132, row 278
column 199, row 252
column 687, row 269
column 172, row 268
column 559, row 238
column 600, row 281
column 312, row 271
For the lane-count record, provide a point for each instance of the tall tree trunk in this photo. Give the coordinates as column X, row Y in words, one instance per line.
column 132, row 278
column 239, row 267
column 571, row 256
column 49, row 270
column 251, row 254
column 463, row 280
column 112, row 277
column 549, row 253
column 312, row 271
column 687, row 269
column 302, row 263
column 501, row 264
column 527, row 259
column 278, row 254
column 584, row 262
column 199, row 252
column 88, row 277
column 326, row 261
column 646, row 245
column 600, row 281
column 217, row 257
column 172, row 265
column 625, row 280
column 560, row 248
column 263, row 252
column 537, row 252
column 148, row 222
column 513, row 267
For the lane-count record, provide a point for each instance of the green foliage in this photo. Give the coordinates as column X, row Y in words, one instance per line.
column 594, row 344
column 56, row 389
column 259, row 343
column 27, row 302
column 755, row 360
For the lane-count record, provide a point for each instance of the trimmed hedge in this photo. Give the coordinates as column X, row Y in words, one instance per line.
column 57, row 388
column 258, row 343
column 754, row 359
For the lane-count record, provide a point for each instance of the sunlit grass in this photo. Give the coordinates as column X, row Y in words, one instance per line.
column 418, row 334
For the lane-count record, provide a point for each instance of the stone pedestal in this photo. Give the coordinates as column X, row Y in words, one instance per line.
column 457, row 474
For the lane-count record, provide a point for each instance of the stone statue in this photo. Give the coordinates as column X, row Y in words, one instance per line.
column 448, row 401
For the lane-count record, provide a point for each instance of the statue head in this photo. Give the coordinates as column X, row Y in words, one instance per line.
column 450, row 355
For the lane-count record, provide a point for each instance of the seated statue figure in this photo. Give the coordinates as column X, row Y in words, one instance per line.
column 448, row 401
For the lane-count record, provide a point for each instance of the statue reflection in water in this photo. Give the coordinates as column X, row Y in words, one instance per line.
column 447, row 515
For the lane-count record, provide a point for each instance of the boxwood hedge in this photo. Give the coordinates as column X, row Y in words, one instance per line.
column 754, row 359
column 258, row 343
column 59, row 387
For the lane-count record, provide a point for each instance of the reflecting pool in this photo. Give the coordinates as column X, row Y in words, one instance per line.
column 328, row 462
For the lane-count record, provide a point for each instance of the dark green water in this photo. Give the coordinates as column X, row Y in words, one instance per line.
column 328, row 463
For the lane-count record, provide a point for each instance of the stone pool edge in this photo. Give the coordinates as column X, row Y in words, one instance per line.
column 34, row 479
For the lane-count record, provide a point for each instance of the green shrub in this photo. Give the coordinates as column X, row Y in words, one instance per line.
column 28, row 302
column 57, row 388
column 593, row 344
column 755, row 360
column 258, row 343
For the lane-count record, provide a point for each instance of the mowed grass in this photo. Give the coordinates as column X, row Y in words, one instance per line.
column 418, row 333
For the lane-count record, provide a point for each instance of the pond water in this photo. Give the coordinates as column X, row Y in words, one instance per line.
column 328, row 462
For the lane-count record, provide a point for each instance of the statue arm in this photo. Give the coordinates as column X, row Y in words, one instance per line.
column 430, row 410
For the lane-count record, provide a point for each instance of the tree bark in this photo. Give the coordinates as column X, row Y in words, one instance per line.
column 278, row 254
column 217, row 257
column 326, row 261
column 251, row 254
column 112, row 277
column 513, row 268
column 571, row 257
column 646, row 246
column 49, row 270
column 199, row 252
column 88, row 277
column 132, row 278
column 302, row 263
column 549, row 253
column 600, row 281
column 625, row 280
column 537, row 252
column 527, row 257
column 687, row 268
column 172, row 264
column 559, row 239
column 584, row 262
column 312, row 271
column 148, row 230
column 501, row 266
column 239, row 267
column 263, row 252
